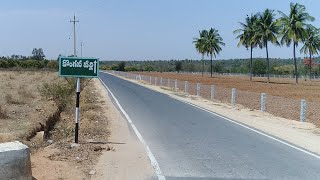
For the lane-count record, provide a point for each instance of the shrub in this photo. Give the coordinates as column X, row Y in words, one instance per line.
column 53, row 65
column 11, row 100
column 59, row 92
column 3, row 113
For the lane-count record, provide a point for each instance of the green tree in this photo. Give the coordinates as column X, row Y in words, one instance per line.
column 121, row 66
column 213, row 42
column 293, row 29
column 311, row 44
column 178, row 66
column 201, row 46
column 37, row 54
column 267, row 32
column 247, row 37
column 259, row 67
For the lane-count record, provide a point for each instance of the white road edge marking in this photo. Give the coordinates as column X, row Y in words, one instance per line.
column 251, row 129
column 153, row 160
column 242, row 125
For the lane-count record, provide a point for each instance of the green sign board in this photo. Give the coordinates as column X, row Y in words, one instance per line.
column 78, row 67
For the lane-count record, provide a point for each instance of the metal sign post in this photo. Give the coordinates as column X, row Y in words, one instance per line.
column 78, row 68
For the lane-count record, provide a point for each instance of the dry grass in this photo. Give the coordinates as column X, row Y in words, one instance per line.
column 3, row 113
column 23, row 104
column 13, row 100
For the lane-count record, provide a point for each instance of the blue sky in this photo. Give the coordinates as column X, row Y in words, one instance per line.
column 131, row 30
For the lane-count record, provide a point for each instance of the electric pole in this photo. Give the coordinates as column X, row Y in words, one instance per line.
column 74, row 21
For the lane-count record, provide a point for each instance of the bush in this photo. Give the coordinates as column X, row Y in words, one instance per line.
column 11, row 100
column 53, row 65
column 59, row 92
column 3, row 113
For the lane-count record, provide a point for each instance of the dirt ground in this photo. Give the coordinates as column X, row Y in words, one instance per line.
column 308, row 90
column 302, row 134
column 108, row 150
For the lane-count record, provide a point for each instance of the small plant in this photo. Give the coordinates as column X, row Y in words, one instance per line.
column 3, row 113
column 11, row 100
column 59, row 92
column 24, row 93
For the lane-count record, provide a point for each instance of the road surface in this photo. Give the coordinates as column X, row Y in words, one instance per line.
column 190, row 143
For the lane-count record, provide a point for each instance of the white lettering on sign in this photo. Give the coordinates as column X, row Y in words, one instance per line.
column 92, row 66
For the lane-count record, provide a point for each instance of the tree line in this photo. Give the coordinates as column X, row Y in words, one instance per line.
column 277, row 66
column 293, row 28
column 35, row 61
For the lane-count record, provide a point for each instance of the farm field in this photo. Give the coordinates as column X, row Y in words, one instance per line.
column 308, row 90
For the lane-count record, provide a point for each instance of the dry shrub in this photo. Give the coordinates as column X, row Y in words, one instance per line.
column 11, row 100
column 24, row 93
column 11, row 77
column 60, row 92
column 3, row 113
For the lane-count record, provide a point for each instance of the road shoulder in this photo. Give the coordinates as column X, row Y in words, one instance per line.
column 127, row 158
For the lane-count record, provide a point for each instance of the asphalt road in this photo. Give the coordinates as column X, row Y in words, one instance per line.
column 190, row 143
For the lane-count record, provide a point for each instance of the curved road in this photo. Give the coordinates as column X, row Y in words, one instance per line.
column 190, row 143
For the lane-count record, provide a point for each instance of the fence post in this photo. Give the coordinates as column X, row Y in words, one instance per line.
column 150, row 80
column 155, row 81
column 303, row 110
column 161, row 81
column 168, row 82
column 176, row 85
column 263, row 102
column 234, row 96
column 186, row 86
column 198, row 89
column 212, row 92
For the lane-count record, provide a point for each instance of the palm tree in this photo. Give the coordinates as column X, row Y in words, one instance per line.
column 293, row 28
column 200, row 45
column 247, row 34
column 311, row 43
column 213, row 42
column 267, row 31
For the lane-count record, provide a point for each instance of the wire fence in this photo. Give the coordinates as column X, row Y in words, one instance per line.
column 293, row 109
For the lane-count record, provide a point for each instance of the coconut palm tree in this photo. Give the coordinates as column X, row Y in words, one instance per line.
column 267, row 31
column 311, row 43
column 213, row 42
column 293, row 29
column 200, row 46
column 247, row 34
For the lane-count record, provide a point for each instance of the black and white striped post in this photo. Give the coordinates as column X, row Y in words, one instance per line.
column 76, row 135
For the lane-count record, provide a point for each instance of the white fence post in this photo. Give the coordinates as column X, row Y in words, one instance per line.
column 303, row 110
column 212, row 92
column 176, row 85
column 234, row 96
column 155, row 81
column 150, row 80
column 161, row 81
column 186, row 86
column 198, row 89
column 168, row 82
column 263, row 102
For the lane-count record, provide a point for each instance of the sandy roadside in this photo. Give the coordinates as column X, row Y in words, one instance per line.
column 127, row 159
column 123, row 157
column 305, row 135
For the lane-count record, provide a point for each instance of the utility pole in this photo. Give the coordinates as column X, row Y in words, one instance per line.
column 74, row 21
